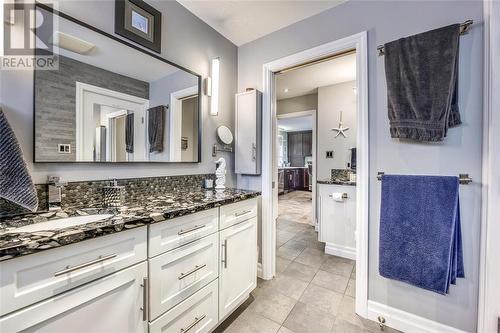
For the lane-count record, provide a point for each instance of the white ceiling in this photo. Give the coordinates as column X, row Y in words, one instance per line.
column 306, row 80
column 295, row 124
column 244, row 21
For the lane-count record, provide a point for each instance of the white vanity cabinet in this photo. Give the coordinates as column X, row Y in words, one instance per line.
column 196, row 285
column 111, row 304
column 248, row 119
column 238, row 276
column 337, row 220
column 33, row 278
column 184, row 274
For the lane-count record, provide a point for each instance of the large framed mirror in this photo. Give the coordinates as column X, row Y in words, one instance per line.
column 107, row 100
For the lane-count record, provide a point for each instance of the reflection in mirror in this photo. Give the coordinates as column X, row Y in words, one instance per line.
column 109, row 102
column 225, row 135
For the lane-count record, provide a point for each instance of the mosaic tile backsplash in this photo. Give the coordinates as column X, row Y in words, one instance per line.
column 342, row 174
column 90, row 193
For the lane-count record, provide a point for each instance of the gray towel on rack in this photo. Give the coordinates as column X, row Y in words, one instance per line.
column 156, row 125
column 422, row 84
column 129, row 133
column 16, row 184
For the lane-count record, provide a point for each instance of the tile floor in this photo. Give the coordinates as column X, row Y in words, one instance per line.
column 295, row 206
column 312, row 292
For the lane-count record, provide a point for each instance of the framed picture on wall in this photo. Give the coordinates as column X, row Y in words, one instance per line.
column 139, row 22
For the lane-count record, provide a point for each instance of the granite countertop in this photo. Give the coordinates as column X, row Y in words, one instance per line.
column 336, row 181
column 146, row 210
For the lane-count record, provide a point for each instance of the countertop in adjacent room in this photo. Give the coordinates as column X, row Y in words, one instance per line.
column 332, row 181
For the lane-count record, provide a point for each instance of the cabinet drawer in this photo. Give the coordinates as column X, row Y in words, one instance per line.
column 171, row 234
column 177, row 274
column 237, row 212
column 32, row 278
column 110, row 304
column 197, row 314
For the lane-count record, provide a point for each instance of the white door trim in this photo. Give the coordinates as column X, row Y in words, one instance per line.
column 489, row 267
column 175, row 121
column 314, row 138
column 295, row 114
column 86, row 129
column 358, row 42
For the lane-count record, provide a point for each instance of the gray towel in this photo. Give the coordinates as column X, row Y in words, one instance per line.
column 129, row 133
column 16, row 184
column 155, row 128
column 422, row 84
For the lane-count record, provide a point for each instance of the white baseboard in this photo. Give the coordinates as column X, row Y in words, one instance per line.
column 259, row 270
column 340, row 251
column 406, row 322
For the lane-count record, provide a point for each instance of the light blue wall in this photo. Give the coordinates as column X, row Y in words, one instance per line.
column 460, row 152
column 186, row 40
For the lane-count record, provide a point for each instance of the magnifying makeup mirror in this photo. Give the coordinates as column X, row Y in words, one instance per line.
column 225, row 136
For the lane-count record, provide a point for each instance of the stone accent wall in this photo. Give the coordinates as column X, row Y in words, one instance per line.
column 55, row 98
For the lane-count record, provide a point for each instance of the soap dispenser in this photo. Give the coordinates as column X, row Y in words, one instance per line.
column 113, row 194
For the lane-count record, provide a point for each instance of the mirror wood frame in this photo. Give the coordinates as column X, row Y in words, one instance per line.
column 137, row 48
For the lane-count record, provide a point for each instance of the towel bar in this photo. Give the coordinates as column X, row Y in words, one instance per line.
column 464, row 28
column 463, row 178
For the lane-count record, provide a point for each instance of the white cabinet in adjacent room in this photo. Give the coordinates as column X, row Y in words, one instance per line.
column 113, row 303
column 248, row 120
column 238, row 265
column 337, row 220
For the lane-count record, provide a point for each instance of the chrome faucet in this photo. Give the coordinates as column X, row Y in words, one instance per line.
column 55, row 192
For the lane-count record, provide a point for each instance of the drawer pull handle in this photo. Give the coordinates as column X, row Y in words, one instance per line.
column 145, row 301
column 193, row 324
column 196, row 227
column 224, row 245
column 80, row 266
column 242, row 213
column 195, row 269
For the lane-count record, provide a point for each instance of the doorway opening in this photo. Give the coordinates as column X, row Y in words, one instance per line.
column 347, row 213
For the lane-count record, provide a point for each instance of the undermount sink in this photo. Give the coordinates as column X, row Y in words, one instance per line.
column 61, row 223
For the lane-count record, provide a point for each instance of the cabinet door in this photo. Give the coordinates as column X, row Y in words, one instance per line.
column 247, row 138
column 238, row 265
column 108, row 305
column 295, row 143
column 337, row 220
column 307, row 144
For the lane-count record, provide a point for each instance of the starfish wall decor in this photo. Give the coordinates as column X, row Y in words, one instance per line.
column 341, row 129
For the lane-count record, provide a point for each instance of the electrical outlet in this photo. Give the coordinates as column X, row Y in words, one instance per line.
column 64, row 148
column 329, row 154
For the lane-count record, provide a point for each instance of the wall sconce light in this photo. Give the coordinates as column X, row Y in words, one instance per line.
column 213, row 87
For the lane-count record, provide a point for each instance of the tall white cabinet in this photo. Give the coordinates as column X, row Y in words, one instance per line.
column 248, row 132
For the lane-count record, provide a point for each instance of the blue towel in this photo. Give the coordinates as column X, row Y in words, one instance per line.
column 420, row 238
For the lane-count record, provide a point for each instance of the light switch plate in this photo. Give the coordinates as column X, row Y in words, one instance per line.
column 329, row 154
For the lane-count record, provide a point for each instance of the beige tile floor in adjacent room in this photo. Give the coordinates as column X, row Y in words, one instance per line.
column 312, row 292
